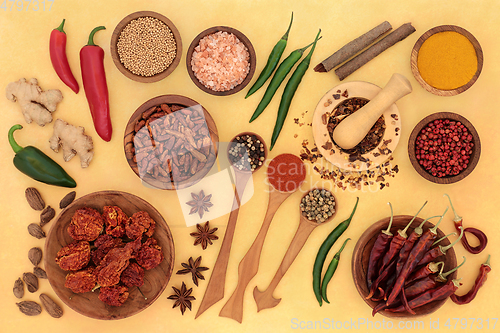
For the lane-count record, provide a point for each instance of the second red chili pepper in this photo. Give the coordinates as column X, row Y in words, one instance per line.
column 57, row 47
column 480, row 280
column 94, row 83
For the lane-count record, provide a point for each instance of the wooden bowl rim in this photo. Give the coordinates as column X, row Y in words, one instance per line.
column 82, row 202
column 243, row 39
column 329, row 218
column 172, row 99
column 321, row 136
column 476, row 149
column 424, row 37
column 114, row 51
column 250, row 134
column 361, row 244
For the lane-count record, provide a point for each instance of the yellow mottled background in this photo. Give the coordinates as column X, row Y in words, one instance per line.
column 24, row 36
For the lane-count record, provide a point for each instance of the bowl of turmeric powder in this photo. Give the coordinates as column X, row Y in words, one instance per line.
column 446, row 60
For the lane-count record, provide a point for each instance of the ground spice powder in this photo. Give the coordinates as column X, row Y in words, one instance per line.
column 286, row 172
column 447, row 60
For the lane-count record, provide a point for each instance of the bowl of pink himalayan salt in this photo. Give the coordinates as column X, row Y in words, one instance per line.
column 221, row 61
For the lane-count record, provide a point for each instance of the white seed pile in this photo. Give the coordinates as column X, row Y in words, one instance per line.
column 146, row 46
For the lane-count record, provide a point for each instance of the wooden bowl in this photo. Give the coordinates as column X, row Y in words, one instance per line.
column 335, row 154
column 114, row 51
column 476, row 149
column 363, row 249
column 88, row 304
column 423, row 38
column 242, row 38
column 130, row 133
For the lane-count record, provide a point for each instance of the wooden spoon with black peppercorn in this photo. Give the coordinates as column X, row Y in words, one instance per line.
column 246, row 153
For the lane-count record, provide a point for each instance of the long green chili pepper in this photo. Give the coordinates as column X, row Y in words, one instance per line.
column 272, row 62
column 34, row 163
column 289, row 92
column 283, row 69
column 331, row 270
column 323, row 251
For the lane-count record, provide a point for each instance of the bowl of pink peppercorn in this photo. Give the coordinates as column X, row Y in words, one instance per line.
column 444, row 147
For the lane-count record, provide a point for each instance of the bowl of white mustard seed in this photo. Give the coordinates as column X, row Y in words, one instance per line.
column 146, row 46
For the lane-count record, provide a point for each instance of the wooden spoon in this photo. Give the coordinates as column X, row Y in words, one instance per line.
column 249, row 265
column 265, row 299
column 215, row 287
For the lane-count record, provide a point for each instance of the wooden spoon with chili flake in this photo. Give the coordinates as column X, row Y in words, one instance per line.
column 215, row 287
column 265, row 299
column 283, row 171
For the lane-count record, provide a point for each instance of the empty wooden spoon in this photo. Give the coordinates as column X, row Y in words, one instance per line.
column 285, row 174
column 265, row 299
column 215, row 287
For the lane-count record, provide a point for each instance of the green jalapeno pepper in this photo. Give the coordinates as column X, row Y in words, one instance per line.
column 34, row 163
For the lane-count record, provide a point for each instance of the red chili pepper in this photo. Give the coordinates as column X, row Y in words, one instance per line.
column 416, row 254
column 408, row 245
column 426, row 270
column 96, row 89
column 378, row 249
column 57, row 47
column 480, row 280
column 483, row 240
column 436, row 294
column 439, row 250
column 397, row 242
column 388, row 271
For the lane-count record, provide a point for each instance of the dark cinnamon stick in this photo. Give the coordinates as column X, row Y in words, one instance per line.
column 353, row 47
column 355, row 63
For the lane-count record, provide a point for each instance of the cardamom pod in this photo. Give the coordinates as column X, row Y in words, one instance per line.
column 47, row 215
column 36, row 231
column 34, row 198
column 19, row 288
column 29, row 308
column 50, row 306
column 31, row 281
column 35, row 255
column 68, row 198
column 39, row 273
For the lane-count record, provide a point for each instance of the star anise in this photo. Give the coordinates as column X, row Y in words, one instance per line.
column 193, row 267
column 205, row 235
column 200, row 203
column 182, row 298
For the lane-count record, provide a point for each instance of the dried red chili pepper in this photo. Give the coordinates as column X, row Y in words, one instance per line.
column 397, row 242
column 439, row 250
column 94, row 83
column 57, row 47
column 408, row 245
column 480, row 280
column 436, row 294
column 388, row 271
column 378, row 249
column 425, row 271
column 416, row 254
column 483, row 240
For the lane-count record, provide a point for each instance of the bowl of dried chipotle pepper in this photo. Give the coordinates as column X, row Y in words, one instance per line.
column 171, row 142
column 109, row 255
column 365, row 250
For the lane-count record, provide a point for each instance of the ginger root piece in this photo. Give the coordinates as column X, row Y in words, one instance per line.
column 73, row 141
column 37, row 105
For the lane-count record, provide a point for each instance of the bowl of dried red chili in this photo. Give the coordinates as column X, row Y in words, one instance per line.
column 171, row 142
column 155, row 274
column 363, row 251
column 444, row 147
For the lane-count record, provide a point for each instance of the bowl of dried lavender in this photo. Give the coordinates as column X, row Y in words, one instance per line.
column 171, row 142
column 377, row 146
column 146, row 46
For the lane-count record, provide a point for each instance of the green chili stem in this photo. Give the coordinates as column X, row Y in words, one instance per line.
column 447, row 247
column 285, row 36
column 434, row 230
column 61, row 26
column 402, row 233
column 457, row 217
column 444, row 275
column 91, row 36
column 444, row 237
column 388, row 231
column 419, row 230
column 434, row 267
column 487, row 263
column 17, row 148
